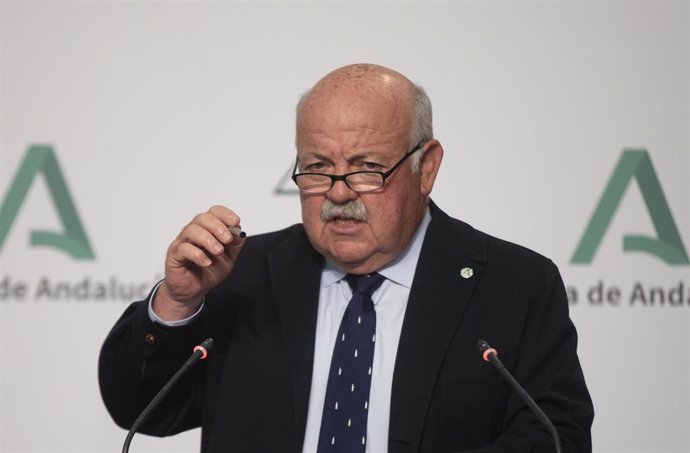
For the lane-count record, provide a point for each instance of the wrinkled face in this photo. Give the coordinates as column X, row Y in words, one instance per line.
column 350, row 132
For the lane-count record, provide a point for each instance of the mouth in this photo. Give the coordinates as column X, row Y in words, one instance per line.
column 345, row 220
column 344, row 225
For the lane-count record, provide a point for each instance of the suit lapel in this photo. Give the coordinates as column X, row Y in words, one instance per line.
column 295, row 275
column 438, row 299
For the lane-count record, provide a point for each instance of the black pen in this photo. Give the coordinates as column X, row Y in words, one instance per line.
column 235, row 231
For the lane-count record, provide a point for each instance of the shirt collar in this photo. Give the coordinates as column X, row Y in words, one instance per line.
column 401, row 270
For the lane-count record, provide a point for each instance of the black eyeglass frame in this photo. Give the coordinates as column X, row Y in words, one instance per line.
column 343, row 178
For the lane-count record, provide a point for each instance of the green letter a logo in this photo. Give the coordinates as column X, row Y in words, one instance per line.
column 668, row 246
column 42, row 159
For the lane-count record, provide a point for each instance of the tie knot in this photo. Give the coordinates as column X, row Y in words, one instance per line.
column 365, row 284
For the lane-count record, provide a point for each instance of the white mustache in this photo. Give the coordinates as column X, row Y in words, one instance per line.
column 351, row 210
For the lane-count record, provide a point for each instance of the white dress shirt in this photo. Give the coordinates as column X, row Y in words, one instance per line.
column 390, row 302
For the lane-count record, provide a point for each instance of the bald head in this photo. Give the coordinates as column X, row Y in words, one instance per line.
column 360, row 86
column 360, row 125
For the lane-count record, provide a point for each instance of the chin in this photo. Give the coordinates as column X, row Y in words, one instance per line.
column 348, row 255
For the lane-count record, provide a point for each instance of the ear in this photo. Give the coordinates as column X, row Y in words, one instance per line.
column 429, row 164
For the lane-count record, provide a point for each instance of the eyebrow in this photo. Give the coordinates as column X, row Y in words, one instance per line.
column 314, row 155
column 377, row 155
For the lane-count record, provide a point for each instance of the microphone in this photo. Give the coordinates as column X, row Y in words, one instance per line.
column 490, row 355
column 200, row 353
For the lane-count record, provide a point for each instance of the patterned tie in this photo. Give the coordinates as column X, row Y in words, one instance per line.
column 345, row 409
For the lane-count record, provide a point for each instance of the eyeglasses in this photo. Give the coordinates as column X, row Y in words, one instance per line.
column 359, row 181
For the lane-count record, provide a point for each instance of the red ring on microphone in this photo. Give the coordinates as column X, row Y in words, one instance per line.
column 489, row 351
column 203, row 351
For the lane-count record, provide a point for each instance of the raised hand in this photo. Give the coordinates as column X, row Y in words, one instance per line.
column 198, row 259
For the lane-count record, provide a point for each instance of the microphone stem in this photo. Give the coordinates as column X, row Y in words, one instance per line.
column 159, row 397
column 527, row 399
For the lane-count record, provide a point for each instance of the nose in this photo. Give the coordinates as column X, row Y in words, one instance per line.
column 340, row 193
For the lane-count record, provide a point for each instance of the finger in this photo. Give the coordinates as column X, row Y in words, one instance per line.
column 226, row 259
column 238, row 238
column 186, row 252
column 227, row 216
column 201, row 237
column 220, row 228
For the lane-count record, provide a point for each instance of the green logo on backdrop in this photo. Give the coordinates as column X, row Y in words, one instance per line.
column 41, row 159
column 667, row 246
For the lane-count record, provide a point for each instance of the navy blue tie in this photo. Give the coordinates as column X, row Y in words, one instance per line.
column 345, row 409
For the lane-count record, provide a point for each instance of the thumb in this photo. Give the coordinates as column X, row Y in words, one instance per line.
column 235, row 245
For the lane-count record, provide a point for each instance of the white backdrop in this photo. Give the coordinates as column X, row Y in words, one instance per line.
column 156, row 110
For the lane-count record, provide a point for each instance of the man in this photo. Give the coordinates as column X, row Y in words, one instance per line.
column 277, row 307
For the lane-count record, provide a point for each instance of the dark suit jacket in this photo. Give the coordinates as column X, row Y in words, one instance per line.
column 251, row 394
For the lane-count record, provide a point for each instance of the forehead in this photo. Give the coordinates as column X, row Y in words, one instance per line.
column 352, row 119
column 366, row 106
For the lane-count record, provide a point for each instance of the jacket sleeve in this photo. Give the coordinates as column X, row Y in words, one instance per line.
column 137, row 358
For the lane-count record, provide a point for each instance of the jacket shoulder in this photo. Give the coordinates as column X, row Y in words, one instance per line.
column 484, row 247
